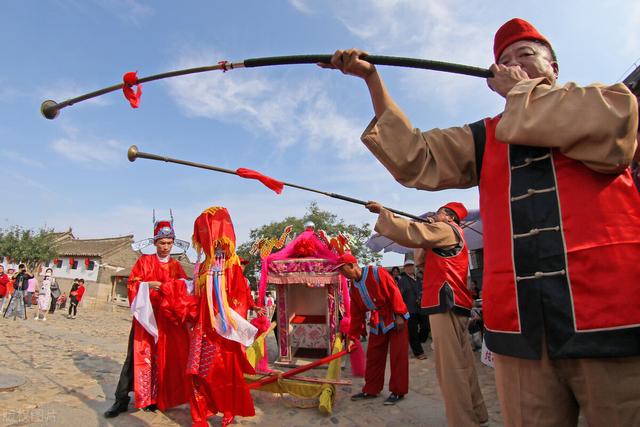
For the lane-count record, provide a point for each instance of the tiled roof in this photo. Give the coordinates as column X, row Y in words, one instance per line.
column 92, row 247
column 59, row 236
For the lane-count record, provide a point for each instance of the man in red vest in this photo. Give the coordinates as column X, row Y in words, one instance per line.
column 374, row 290
column 561, row 220
column 447, row 301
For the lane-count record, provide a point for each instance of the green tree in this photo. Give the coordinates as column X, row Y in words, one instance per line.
column 28, row 246
column 323, row 220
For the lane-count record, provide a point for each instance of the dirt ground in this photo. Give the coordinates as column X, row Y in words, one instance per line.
column 71, row 368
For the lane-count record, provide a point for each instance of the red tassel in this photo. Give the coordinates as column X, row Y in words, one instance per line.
column 71, row 261
column 271, row 183
column 86, row 262
column 130, row 79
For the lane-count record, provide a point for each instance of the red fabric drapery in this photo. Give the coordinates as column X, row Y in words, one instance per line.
column 269, row 182
column 130, row 79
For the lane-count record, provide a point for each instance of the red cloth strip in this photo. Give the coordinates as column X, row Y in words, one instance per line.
column 130, row 79
column 271, row 183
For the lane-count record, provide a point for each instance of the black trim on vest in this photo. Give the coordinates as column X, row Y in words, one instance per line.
column 447, row 302
column 543, row 302
column 479, row 132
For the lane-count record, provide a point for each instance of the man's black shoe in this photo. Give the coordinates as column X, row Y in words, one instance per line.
column 118, row 407
column 363, row 396
column 393, row 399
column 150, row 408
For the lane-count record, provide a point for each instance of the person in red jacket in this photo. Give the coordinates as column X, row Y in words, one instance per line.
column 8, row 289
column 75, row 296
column 4, row 279
column 158, row 348
column 447, row 301
column 374, row 290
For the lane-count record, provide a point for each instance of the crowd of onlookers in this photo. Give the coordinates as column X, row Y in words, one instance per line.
column 21, row 290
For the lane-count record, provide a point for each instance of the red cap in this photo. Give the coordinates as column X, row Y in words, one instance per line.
column 458, row 208
column 243, row 261
column 512, row 31
column 345, row 258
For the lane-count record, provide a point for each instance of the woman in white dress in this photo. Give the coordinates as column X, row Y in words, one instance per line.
column 44, row 297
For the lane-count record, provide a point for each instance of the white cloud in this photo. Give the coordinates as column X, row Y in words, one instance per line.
column 18, row 183
column 632, row 39
column 439, row 30
column 64, row 89
column 292, row 112
column 303, row 6
column 129, row 11
column 8, row 91
column 88, row 150
column 17, row 157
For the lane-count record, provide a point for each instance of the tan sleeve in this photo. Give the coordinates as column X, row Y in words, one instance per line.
column 415, row 234
column 439, row 158
column 595, row 124
column 418, row 256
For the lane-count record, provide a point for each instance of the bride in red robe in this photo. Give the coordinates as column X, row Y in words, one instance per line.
column 161, row 345
column 217, row 360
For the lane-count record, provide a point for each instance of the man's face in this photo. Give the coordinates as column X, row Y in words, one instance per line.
column 163, row 247
column 534, row 59
column 410, row 269
column 442, row 216
column 350, row 271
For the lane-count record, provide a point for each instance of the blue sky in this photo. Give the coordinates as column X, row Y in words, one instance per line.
column 296, row 123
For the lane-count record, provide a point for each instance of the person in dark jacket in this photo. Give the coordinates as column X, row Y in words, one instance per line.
column 16, row 307
column 418, row 325
column 55, row 294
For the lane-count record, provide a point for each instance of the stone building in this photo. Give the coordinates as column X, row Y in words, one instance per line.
column 104, row 264
column 94, row 260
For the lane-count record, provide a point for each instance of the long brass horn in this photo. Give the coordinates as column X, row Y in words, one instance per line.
column 133, row 153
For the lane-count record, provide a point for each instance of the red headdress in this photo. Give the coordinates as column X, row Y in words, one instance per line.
column 163, row 229
column 213, row 230
column 512, row 31
column 213, row 236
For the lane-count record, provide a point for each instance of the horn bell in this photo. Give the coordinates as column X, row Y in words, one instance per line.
column 132, row 153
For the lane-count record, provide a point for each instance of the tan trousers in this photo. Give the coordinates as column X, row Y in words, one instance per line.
column 456, row 370
column 552, row 392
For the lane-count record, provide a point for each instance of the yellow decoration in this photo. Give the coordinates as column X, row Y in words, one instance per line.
column 265, row 246
column 320, row 395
